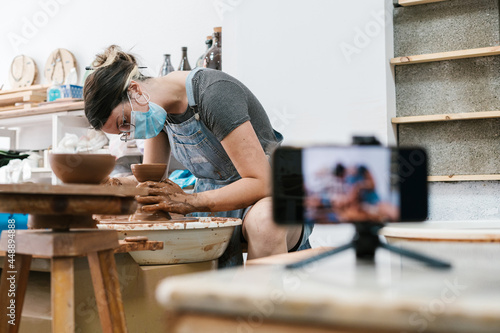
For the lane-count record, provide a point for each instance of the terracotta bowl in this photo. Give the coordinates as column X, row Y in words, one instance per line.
column 82, row 168
column 152, row 171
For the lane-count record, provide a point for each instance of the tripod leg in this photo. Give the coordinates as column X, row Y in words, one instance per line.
column 417, row 256
column 320, row 256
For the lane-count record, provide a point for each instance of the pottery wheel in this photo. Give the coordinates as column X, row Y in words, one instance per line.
column 62, row 207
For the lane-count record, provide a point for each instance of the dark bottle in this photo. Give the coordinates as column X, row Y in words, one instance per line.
column 167, row 65
column 213, row 57
column 201, row 59
column 184, row 65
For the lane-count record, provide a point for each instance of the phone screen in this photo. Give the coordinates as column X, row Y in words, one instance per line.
column 354, row 184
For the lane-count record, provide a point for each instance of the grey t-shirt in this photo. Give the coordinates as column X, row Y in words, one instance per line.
column 224, row 103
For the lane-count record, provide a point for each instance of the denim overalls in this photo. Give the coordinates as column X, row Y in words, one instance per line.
column 197, row 148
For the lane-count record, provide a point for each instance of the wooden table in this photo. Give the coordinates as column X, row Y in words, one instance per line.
column 335, row 295
column 63, row 208
column 137, row 285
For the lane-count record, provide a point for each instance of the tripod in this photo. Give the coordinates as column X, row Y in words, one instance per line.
column 365, row 242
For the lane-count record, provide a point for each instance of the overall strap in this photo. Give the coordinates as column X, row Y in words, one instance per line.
column 189, row 86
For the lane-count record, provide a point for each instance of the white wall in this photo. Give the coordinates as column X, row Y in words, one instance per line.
column 320, row 67
column 150, row 28
column 289, row 52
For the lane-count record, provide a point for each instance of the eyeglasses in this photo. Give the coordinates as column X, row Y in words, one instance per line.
column 125, row 128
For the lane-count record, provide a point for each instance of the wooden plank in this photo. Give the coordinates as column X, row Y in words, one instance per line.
column 20, row 273
column 138, row 246
column 107, row 291
column 417, row 2
column 70, row 205
column 62, row 244
column 45, row 109
column 446, row 117
column 39, row 87
column 462, row 178
column 62, row 295
column 62, row 100
column 14, row 107
column 4, row 299
column 25, row 96
column 452, row 55
column 23, row 263
column 73, row 189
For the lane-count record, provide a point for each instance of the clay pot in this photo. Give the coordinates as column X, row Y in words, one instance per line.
column 151, row 171
column 82, row 168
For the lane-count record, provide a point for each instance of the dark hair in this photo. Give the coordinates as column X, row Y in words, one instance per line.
column 339, row 170
column 362, row 170
column 107, row 86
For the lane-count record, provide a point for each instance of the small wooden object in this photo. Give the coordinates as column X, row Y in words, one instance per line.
column 62, row 248
column 58, row 66
column 23, row 72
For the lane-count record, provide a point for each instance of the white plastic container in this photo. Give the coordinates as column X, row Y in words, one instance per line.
column 465, row 244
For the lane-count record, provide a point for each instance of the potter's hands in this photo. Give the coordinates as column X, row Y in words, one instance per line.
column 166, row 196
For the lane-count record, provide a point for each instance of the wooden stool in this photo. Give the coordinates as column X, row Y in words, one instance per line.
column 62, row 248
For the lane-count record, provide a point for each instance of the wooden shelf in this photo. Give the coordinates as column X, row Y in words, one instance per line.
column 35, row 87
column 446, row 117
column 406, row 3
column 452, row 55
column 23, row 97
column 463, row 178
column 45, row 109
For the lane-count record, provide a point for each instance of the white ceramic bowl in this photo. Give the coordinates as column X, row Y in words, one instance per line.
column 183, row 242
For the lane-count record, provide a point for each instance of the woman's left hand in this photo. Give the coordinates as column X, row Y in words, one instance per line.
column 166, row 196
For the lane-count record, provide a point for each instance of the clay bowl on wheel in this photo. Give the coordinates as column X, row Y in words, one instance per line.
column 82, row 168
column 150, row 171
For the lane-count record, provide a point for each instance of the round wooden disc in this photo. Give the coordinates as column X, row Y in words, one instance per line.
column 58, row 66
column 22, row 72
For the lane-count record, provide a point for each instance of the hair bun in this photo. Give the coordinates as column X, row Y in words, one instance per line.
column 111, row 55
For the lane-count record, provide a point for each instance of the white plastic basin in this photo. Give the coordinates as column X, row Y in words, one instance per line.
column 183, row 242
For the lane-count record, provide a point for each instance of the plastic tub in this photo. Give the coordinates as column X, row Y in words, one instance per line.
column 194, row 240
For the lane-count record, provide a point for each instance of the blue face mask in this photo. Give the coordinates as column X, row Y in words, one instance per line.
column 147, row 125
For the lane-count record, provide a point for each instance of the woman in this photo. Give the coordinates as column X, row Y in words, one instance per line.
column 215, row 127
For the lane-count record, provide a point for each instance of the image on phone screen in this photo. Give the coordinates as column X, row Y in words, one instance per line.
column 349, row 184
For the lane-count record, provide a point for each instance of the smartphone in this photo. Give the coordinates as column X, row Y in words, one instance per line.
column 349, row 184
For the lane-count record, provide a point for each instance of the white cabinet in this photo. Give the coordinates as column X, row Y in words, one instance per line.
column 39, row 132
